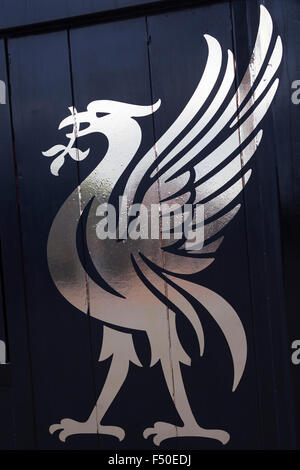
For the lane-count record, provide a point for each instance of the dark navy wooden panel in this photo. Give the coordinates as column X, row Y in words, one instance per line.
column 13, row 284
column 287, row 154
column 110, row 62
column 59, row 335
column 266, row 281
column 16, row 14
column 53, row 347
column 176, row 68
column 7, row 427
column 7, row 440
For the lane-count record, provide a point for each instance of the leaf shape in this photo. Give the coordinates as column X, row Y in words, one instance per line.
column 54, row 150
column 57, row 164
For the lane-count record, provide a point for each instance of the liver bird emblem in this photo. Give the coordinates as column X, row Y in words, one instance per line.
column 143, row 284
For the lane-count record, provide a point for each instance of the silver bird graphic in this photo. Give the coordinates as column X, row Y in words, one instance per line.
column 146, row 282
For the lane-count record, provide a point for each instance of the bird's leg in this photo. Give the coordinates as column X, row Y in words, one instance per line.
column 173, row 376
column 119, row 345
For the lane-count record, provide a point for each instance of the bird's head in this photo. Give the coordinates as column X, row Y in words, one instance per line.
column 113, row 119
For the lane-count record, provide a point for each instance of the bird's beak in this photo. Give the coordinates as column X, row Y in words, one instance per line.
column 76, row 119
column 68, row 121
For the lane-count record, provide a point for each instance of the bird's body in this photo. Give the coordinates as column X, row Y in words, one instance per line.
column 137, row 284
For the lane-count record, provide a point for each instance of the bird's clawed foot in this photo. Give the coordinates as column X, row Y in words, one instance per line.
column 69, row 427
column 163, row 431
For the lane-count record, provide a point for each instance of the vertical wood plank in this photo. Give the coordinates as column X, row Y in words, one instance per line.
column 287, row 145
column 110, row 62
column 59, row 335
column 7, row 440
column 7, row 433
column 13, row 281
column 264, row 254
column 176, row 68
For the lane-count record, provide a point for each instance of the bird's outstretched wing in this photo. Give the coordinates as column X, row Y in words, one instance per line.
column 187, row 172
column 202, row 159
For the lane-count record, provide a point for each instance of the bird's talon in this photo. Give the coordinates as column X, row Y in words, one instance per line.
column 69, row 427
column 163, row 431
column 62, row 437
column 54, row 427
column 147, row 432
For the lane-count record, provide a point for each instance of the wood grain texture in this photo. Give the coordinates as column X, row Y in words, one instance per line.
column 31, row 13
column 13, row 281
column 53, row 347
column 41, row 95
column 113, row 60
column 264, row 254
column 286, row 117
column 178, row 54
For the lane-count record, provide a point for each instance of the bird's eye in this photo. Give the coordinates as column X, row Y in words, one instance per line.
column 101, row 114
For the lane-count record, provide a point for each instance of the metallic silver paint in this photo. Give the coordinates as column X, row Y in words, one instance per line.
column 127, row 265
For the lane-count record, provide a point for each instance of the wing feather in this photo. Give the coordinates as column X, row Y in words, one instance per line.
column 212, row 228
column 202, row 92
column 269, row 73
column 229, row 146
column 223, row 176
column 198, row 99
column 207, row 116
column 257, row 61
column 233, row 136
column 249, row 104
column 219, row 202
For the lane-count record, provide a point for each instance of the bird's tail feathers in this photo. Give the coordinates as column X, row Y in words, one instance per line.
column 225, row 317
